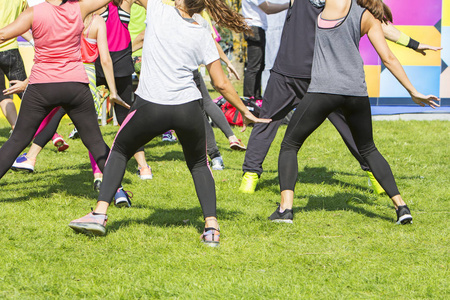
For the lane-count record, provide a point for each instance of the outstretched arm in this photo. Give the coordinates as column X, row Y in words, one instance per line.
column 21, row 25
column 223, row 57
column 226, row 89
column 372, row 27
column 89, row 6
column 392, row 34
column 138, row 41
column 273, row 8
column 106, row 62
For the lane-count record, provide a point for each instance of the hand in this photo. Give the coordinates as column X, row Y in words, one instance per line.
column 422, row 100
column 114, row 98
column 423, row 47
column 232, row 70
column 16, row 87
column 249, row 118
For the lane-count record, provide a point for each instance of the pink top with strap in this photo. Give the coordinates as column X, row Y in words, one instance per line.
column 118, row 35
column 89, row 48
column 57, row 32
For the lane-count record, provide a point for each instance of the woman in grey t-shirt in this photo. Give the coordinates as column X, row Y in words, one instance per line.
column 337, row 81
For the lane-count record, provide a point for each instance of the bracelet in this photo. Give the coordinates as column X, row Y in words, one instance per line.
column 413, row 44
column 403, row 40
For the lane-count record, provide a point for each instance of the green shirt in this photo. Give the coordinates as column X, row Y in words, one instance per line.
column 9, row 11
column 137, row 24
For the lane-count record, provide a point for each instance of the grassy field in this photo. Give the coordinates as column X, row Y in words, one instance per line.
column 343, row 243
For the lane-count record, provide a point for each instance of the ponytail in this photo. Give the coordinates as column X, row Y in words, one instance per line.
column 378, row 9
column 219, row 12
column 227, row 17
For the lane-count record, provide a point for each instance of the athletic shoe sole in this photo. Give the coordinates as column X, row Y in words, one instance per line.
column 26, row 168
column 282, row 221
column 121, row 202
column 405, row 219
column 90, row 229
column 237, row 147
column 211, row 244
column 146, row 177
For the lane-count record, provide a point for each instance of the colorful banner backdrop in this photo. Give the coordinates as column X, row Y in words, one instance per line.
column 429, row 23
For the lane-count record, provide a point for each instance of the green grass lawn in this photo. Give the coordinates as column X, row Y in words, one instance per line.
column 344, row 243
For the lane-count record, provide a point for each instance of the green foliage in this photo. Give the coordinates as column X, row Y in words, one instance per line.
column 343, row 243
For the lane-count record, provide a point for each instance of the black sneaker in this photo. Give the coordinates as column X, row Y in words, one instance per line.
column 282, row 217
column 403, row 215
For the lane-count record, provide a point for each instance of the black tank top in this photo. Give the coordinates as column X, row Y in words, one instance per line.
column 295, row 55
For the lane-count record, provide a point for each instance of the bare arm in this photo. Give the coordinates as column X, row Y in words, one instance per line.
column 21, row 25
column 138, row 41
column 392, row 34
column 273, row 8
column 106, row 62
column 226, row 89
column 372, row 27
column 89, row 6
column 230, row 68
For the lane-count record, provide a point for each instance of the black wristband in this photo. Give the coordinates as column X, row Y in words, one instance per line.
column 413, row 44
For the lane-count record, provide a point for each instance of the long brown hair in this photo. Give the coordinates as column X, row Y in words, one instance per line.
column 219, row 12
column 378, row 9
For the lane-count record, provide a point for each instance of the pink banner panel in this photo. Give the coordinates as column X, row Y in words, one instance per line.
column 415, row 12
column 368, row 53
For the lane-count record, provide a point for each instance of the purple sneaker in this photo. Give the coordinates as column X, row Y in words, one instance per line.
column 23, row 163
column 211, row 237
column 122, row 198
column 90, row 224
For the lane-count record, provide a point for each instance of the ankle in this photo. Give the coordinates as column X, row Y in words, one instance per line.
column 211, row 222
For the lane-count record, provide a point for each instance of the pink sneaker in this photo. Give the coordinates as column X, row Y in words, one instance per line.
column 211, row 237
column 59, row 142
column 90, row 224
column 238, row 145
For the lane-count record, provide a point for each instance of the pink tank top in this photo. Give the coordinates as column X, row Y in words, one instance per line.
column 57, row 32
column 118, row 34
column 89, row 48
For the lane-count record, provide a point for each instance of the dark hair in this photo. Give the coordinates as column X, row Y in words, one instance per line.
column 378, row 9
column 219, row 12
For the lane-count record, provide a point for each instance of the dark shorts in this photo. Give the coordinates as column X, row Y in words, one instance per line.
column 11, row 65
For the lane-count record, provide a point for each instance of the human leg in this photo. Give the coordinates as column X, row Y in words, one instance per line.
column 255, row 62
column 357, row 112
column 310, row 113
column 281, row 96
column 34, row 108
column 338, row 120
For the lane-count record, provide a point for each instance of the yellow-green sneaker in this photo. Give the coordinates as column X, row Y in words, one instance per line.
column 249, row 182
column 374, row 184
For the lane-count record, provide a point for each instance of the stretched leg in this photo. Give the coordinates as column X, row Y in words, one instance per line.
column 281, row 96
column 255, row 62
column 33, row 110
column 359, row 118
column 338, row 120
column 47, row 132
column 82, row 112
column 190, row 130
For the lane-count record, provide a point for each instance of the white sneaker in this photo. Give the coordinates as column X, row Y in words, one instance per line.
column 217, row 163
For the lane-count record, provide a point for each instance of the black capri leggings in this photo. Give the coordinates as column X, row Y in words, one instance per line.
column 147, row 120
column 37, row 102
column 310, row 113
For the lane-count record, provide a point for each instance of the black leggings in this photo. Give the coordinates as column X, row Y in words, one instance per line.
column 37, row 102
column 310, row 113
column 124, row 87
column 50, row 129
column 147, row 120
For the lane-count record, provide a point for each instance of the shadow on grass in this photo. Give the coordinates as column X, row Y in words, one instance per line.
column 171, row 217
column 339, row 202
column 313, row 175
